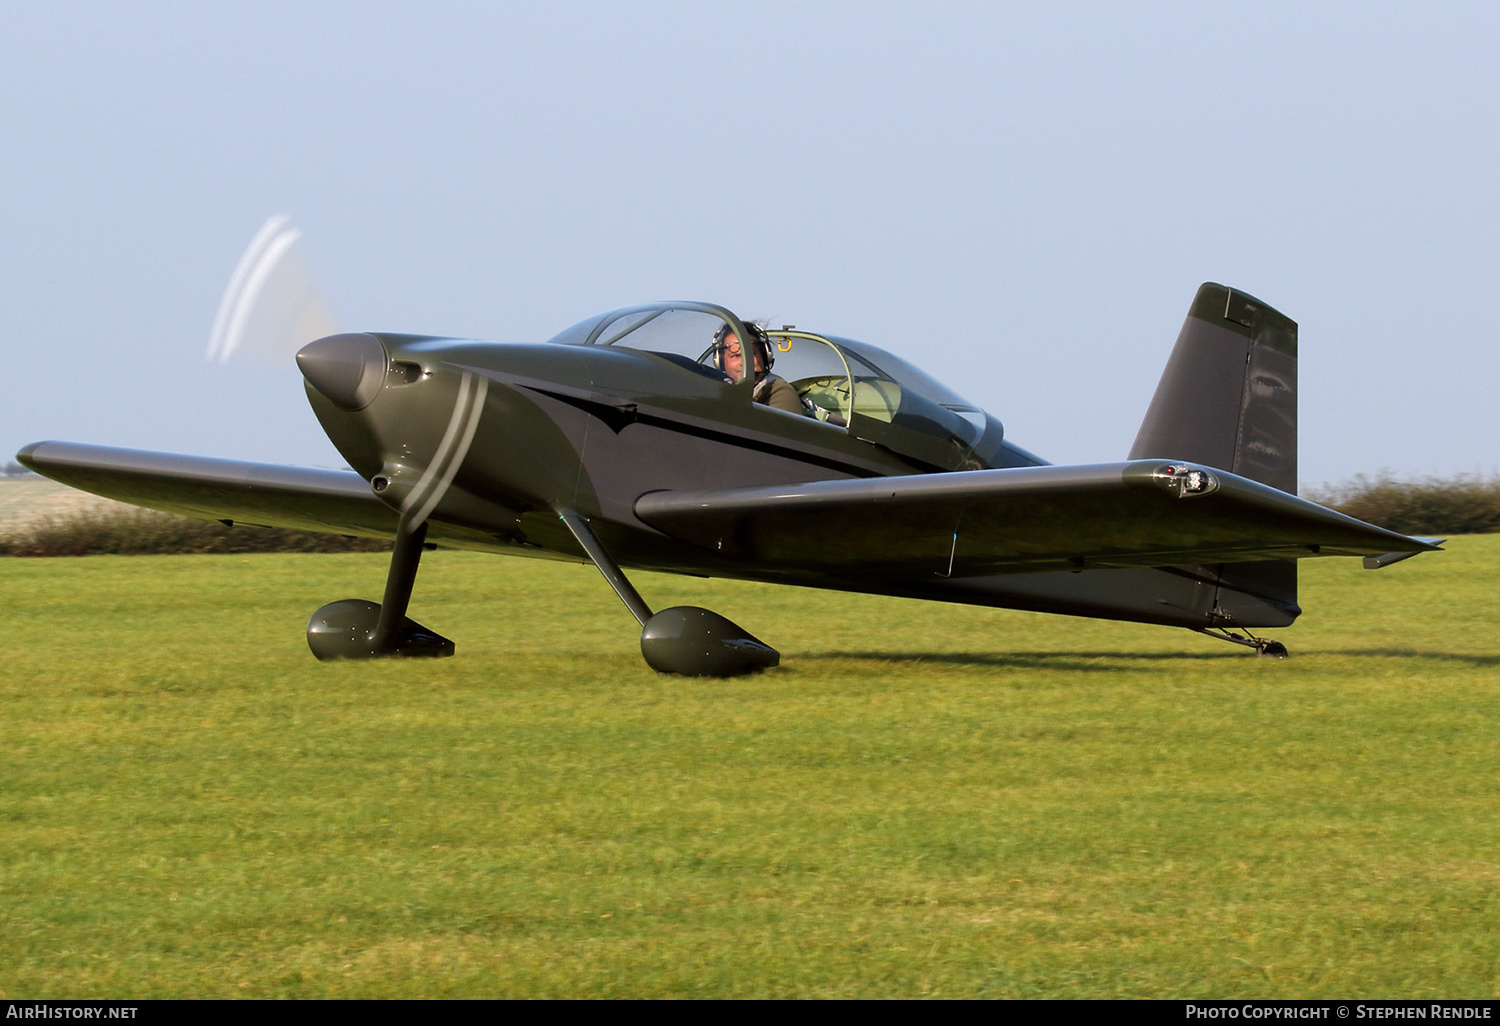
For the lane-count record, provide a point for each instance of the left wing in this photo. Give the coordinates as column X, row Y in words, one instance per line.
column 1143, row 513
column 259, row 494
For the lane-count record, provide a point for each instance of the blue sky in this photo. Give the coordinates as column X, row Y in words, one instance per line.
column 1021, row 198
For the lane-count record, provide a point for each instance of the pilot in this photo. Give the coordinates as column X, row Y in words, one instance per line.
column 770, row 389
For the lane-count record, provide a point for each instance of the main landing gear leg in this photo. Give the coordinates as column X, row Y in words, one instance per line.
column 1263, row 646
column 358, row 629
column 683, row 639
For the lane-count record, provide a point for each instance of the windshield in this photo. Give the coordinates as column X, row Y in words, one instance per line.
column 881, row 398
column 912, row 380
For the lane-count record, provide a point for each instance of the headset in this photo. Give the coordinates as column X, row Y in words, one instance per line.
column 758, row 338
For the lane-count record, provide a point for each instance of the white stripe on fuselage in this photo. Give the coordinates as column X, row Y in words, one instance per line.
column 476, row 411
column 441, row 469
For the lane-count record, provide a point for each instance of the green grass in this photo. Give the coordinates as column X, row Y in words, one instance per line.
column 923, row 800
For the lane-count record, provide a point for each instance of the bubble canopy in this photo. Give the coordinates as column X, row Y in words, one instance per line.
column 872, row 394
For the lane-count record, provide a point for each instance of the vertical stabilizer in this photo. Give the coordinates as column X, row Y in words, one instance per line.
column 1228, row 399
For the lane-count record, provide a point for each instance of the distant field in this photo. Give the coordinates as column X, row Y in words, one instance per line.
column 924, row 800
column 24, row 499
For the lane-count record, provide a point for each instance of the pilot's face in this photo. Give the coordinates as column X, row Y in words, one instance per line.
column 734, row 358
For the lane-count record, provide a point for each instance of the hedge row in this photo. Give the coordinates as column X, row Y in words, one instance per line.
column 1460, row 505
column 140, row 532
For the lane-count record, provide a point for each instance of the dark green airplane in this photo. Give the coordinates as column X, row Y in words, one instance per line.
column 635, row 439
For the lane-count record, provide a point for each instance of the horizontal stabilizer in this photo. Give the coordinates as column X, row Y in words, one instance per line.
column 1387, row 558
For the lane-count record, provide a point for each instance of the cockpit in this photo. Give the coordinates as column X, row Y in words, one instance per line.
column 845, row 385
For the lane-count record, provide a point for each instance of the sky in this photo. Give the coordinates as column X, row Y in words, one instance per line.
column 1020, row 198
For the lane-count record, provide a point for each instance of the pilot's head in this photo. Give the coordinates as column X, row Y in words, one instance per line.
column 729, row 353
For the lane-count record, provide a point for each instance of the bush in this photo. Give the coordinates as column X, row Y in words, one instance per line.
column 139, row 532
column 1461, row 505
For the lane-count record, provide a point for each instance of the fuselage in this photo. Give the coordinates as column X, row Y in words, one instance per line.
column 520, row 430
column 490, row 442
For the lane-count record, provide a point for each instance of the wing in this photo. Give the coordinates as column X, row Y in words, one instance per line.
column 1143, row 513
column 259, row 494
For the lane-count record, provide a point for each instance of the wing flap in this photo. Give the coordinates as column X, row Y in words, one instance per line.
column 975, row 523
column 261, row 494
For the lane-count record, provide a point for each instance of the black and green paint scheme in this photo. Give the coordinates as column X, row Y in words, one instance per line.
column 621, row 443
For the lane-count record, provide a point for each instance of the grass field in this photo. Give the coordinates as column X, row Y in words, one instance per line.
column 924, row 800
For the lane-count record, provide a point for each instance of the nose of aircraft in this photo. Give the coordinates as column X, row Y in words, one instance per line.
column 349, row 369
